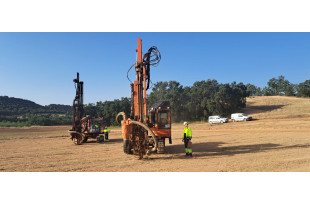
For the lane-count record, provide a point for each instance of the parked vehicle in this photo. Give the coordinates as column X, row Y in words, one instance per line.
column 217, row 119
column 240, row 117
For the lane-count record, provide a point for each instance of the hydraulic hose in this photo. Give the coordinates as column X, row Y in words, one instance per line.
column 120, row 114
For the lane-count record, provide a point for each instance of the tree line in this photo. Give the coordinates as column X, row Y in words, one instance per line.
column 197, row 102
column 108, row 109
column 191, row 103
column 280, row 86
column 202, row 99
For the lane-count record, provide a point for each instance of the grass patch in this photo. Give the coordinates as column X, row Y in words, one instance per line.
column 14, row 124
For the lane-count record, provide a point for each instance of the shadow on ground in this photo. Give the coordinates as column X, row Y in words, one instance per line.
column 254, row 109
column 215, row 149
column 93, row 141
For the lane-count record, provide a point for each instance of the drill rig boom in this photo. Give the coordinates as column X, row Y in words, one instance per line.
column 139, row 135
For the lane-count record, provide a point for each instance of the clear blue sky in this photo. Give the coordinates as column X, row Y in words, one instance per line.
column 41, row 66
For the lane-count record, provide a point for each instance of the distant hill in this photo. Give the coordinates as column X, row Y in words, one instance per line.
column 264, row 107
column 21, row 110
column 18, row 106
column 10, row 105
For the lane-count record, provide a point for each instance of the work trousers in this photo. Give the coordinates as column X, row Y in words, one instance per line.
column 106, row 135
column 187, row 150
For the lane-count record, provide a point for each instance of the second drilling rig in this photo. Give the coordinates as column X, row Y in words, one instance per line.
column 146, row 129
column 84, row 126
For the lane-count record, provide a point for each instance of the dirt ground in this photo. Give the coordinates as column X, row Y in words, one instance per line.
column 264, row 145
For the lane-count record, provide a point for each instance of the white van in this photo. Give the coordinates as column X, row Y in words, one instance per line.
column 240, row 117
column 217, row 119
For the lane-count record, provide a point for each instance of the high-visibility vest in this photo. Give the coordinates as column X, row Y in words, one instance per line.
column 106, row 130
column 187, row 132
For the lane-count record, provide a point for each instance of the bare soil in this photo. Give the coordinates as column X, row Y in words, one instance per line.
column 261, row 145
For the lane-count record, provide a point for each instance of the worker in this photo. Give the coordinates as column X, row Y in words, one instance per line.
column 98, row 138
column 106, row 134
column 187, row 139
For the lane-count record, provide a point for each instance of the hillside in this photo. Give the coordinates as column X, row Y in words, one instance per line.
column 18, row 106
column 26, row 112
column 10, row 105
column 268, row 107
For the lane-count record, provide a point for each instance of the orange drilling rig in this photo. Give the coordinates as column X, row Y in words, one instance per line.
column 146, row 129
column 84, row 126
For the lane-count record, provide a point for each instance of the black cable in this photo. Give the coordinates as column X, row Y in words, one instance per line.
column 128, row 72
column 152, row 84
column 152, row 58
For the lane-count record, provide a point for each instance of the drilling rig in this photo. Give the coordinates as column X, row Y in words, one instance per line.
column 146, row 129
column 84, row 126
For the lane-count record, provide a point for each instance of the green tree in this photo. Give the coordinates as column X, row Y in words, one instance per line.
column 303, row 89
column 169, row 91
column 280, row 86
column 253, row 90
column 273, row 85
column 198, row 97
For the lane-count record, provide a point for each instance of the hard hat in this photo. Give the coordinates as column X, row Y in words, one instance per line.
column 185, row 123
column 106, row 127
